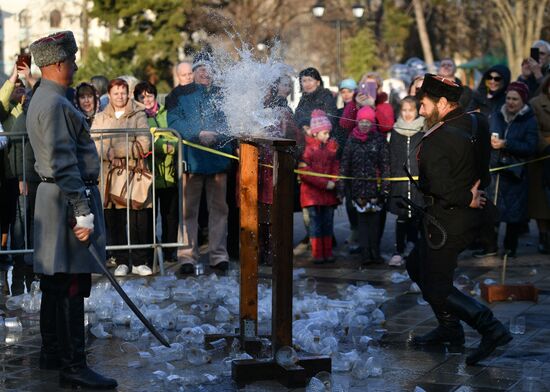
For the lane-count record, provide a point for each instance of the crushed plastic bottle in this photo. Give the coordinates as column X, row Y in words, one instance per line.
column 398, row 277
column 286, row 356
column 175, row 352
column 99, row 332
column 198, row 356
column 315, row 385
column 13, row 324
column 369, row 367
column 14, row 302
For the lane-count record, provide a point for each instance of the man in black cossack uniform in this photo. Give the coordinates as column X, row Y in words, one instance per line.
column 453, row 161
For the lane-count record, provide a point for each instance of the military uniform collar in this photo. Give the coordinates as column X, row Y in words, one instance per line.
column 50, row 84
column 451, row 116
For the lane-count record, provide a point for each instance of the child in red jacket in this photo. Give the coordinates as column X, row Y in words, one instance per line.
column 318, row 194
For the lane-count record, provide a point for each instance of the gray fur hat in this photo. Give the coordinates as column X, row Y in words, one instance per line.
column 54, row 48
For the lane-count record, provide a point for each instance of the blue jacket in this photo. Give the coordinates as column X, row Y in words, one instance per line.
column 521, row 144
column 192, row 109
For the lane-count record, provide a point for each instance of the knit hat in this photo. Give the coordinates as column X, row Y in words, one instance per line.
column 366, row 113
column 349, row 84
column 319, row 122
column 54, row 48
column 437, row 86
column 202, row 58
column 521, row 88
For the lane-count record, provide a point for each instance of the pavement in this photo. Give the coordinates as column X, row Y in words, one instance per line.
column 522, row 365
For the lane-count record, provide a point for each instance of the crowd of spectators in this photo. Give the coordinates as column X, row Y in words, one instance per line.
column 370, row 135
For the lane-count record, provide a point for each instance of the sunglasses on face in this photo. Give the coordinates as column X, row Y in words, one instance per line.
column 495, row 78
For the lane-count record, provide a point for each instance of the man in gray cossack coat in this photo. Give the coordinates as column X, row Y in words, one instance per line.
column 68, row 164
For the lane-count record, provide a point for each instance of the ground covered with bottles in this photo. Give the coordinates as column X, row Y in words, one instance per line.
column 362, row 318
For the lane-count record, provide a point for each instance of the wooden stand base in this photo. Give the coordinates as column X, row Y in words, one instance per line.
column 509, row 292
column 246, row 371
column 252, row 346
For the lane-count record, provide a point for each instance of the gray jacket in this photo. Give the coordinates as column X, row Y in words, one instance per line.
column 65, row 152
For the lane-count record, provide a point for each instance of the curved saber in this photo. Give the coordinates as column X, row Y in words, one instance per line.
column 92, row 247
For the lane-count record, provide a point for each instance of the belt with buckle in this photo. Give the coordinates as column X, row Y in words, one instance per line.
column 428, row 200
column 51, row 180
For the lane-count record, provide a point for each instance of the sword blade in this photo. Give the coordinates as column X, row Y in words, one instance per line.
column 92, row 247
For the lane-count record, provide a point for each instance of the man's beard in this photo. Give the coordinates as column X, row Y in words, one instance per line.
column 433, row 118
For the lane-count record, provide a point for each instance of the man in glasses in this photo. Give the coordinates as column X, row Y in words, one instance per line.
column 453, row 163
column 533, row 71
column 447, row 69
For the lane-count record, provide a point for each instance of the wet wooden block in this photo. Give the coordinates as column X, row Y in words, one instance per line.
column 509, row 292
column 247, row 371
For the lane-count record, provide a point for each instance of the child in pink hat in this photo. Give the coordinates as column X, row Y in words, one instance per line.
column 318, row 194
column 366, row 158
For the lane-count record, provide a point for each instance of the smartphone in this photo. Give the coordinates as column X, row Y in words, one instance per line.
column 495, row 135
column 24, row 58
column 368, row 88
column 535, row 53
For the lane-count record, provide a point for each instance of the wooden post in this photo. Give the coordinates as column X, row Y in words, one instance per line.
column 282, row 218
column 245, row 371
column 248, row 171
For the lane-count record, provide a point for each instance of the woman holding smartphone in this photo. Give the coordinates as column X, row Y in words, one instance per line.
column 369, row 93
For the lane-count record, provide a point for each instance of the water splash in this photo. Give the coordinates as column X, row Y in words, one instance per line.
column 245, row 83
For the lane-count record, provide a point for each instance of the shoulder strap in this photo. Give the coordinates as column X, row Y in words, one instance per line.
column 474, row 126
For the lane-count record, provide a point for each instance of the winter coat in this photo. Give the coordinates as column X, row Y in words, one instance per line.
column 447, row 171
column 321, row 98
column 520, row 133
column 286, row 128
column 192, row 109
column 8, row 111
column 369, row 159
column 539, row 208
column 165, row 162
column 481, row 101
column 66, row 153
column 403, row 142
column 384, row 115
column 319, row 158
column 117, row 145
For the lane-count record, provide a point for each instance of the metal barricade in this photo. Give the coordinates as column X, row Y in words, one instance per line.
column 101, row 135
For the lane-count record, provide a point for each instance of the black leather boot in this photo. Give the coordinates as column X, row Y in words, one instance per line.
column 49, row 351
column 449, row 331
column 74, row 371
column 481, row 318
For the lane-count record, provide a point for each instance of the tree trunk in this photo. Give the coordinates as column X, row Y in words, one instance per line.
column 85, row 32
column 520, row 23
column 423, row 33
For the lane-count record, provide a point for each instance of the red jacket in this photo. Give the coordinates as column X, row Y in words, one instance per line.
column 383, row 114
column 318, row 158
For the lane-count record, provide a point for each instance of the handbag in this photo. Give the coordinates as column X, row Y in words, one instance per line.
column 131, row 184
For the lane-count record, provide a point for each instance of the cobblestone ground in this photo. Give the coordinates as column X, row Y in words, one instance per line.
column 522, row 365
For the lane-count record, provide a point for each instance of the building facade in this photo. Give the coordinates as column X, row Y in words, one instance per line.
column 23, row 21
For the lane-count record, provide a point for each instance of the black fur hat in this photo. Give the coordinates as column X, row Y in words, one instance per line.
column 438, row 86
